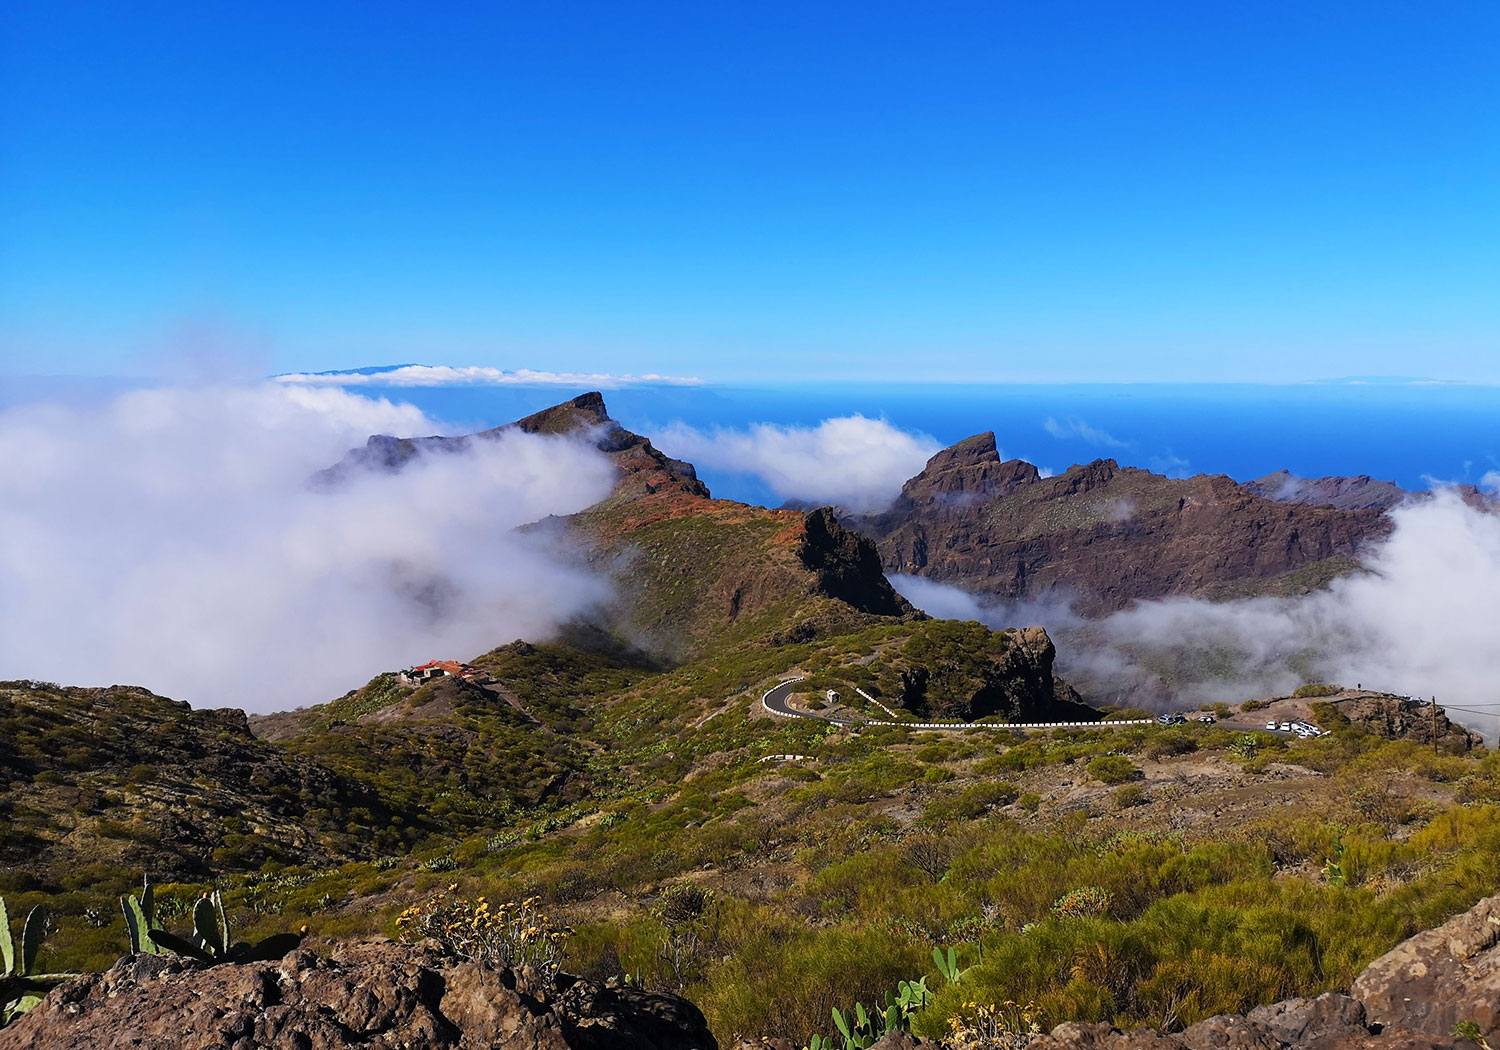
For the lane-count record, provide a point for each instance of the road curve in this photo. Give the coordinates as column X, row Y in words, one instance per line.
column 776, row 701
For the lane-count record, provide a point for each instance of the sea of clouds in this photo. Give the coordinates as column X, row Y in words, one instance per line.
column 169, row 538
column 852, row 462
column 1420, row 620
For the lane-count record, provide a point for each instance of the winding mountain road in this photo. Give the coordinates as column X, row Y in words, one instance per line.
column 776, row 700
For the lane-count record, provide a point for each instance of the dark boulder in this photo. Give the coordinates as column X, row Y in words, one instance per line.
column 1411, row 998
column 376, row 996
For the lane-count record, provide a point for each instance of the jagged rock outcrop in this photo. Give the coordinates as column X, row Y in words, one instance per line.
column 376, row 996
column 1361, row 492
column 955, row 671
column 1025, row 674
column 1411, row 998
column 847, row 566
column 1102, row 536
column 961, row 476
column 1403, row 718
column 643, row 469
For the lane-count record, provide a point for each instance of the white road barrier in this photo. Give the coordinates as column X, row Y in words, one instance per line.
column 791, row 712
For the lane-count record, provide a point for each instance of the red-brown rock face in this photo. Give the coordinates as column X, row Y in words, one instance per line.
column 1106, row 535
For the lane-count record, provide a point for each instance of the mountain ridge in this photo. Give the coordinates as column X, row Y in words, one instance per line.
column 1105, row 536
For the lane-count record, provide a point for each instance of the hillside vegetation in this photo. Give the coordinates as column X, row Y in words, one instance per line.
column 625, row 779
column 1240, row 867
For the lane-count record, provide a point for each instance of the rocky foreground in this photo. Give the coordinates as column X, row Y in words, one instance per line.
column 376, row 996
column 1429, row 992
column 1413, row 997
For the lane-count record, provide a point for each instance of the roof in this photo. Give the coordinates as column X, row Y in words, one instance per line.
column 450, row 666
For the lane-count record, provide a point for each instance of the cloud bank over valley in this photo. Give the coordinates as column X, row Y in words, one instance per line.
column 170, row 538
column 851, row 461
column 1420, row 620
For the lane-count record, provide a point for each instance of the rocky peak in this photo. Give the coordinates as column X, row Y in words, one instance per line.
column 1087, row 477
column 643, row 469
column 1353, row 493
column 965, row 475
column 1403, row 718
column 1104, row 535
column 847, row 566
column 1360, row 492
column 584, row 411
column 971, row 451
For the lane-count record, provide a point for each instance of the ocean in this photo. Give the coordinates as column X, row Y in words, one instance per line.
column 1415, row 434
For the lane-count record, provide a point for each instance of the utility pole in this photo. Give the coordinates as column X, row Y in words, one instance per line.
column 1434, row 726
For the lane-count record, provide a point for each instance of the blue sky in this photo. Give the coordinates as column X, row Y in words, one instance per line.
column 1056, row 191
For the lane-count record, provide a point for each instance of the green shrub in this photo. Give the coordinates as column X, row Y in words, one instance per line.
column 1328, row 716
column 1169, row 743
column 1317, row 689
column 1127, row 795
column 1113, row 769
column 972, row 802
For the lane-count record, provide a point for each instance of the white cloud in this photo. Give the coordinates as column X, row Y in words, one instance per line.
column 1074, row 427
column 475, row 375
column 1172, row 466
column 1490, row 482
column 851, row 461
column 1122, row 509
column 947, row 602
column 171, row 539
column 1420, row 621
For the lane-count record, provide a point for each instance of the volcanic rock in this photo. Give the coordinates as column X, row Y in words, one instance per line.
column 1357, row 493
column 376, row 996
column 1360, row 492
column 1102, row 536
column 847, row 566
column 1409, row 999
column 642, row 468
column 1403, row 718
column 1442, row 976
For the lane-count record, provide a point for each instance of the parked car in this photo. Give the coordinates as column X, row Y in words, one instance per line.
column 1207, row 719
column 1271, row 726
